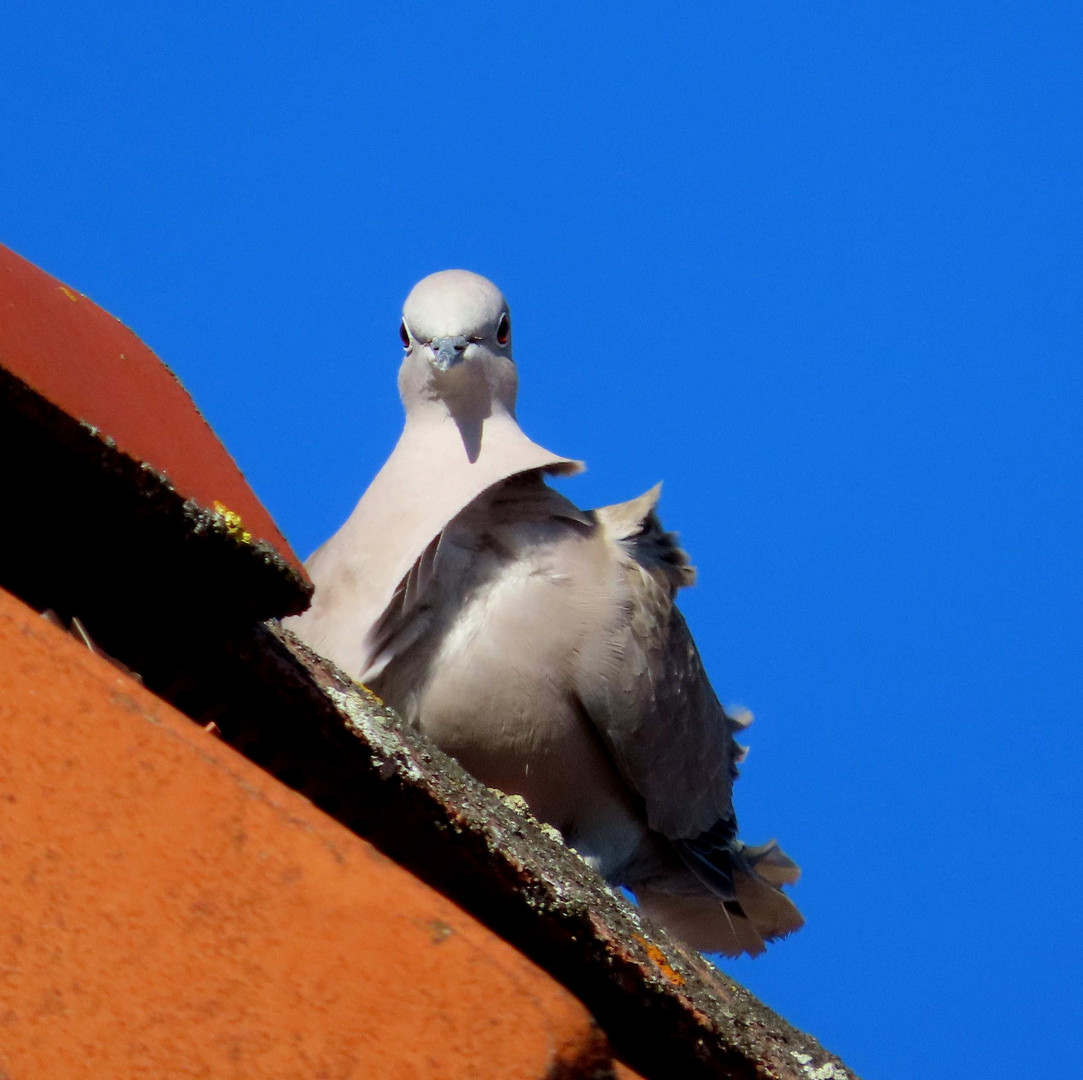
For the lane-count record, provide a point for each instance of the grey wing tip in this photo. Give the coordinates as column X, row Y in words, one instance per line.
column 636, row 525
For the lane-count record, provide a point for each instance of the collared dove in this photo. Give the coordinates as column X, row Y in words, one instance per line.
column 538, row 643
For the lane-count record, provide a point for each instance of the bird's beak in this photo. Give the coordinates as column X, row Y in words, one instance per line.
column 448, row 351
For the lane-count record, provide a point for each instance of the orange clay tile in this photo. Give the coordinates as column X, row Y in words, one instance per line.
column 89, row 364
column 167, row 910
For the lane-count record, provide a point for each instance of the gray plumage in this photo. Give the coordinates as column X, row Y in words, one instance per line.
column 538, row 643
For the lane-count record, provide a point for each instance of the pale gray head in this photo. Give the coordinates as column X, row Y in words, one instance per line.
column 456, row 329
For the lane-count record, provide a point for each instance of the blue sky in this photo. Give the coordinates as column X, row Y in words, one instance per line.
column 817, row 267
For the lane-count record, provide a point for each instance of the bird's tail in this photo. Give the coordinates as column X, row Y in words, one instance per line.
column 758, row 912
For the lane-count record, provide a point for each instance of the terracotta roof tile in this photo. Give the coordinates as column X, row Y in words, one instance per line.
column 120, row 498
column 167, row 909
column 94, row 368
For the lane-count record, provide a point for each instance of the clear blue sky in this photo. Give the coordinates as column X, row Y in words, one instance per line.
column 816, row 266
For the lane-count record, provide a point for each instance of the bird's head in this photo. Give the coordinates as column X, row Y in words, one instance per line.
column 456, row 330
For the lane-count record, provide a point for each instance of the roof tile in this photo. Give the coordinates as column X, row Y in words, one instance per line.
column 168, row 909
column 94, row 368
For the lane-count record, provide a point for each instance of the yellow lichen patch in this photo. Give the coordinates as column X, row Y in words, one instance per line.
column 72, row 296
column 234, row 525
column 658, row 958
column 370, row 694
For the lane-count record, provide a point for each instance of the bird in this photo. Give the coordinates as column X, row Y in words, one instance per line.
column 539, row 644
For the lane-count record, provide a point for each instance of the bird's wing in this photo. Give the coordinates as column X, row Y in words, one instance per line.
column 642, row 682
column 479, row 532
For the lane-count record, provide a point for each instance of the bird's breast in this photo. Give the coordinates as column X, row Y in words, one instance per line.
column 501, row 662
column 492, row 681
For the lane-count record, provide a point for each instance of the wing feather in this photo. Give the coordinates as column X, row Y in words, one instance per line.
column 644, row 686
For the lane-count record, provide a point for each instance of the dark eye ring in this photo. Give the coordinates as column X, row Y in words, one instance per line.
column 503, row 329
column 404, row 334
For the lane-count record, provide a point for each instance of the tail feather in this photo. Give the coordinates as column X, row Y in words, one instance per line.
column 703, row 921
column 758, row 911
column 770, row 862
column 769, row 909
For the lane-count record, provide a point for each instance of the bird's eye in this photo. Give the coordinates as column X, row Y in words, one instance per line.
column 503, row 329
column 404, row 334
